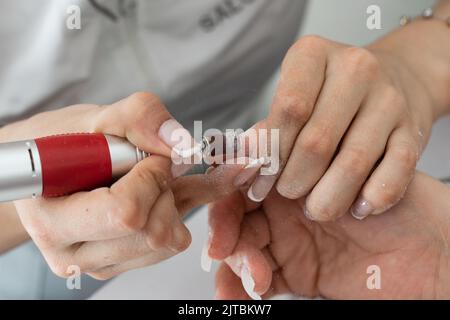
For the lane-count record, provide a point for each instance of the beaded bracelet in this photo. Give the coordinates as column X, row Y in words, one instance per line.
column 427, row 15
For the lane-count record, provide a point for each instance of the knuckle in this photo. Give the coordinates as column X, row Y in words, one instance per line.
column 316, row 142
column 127, row 215
column 310, row 43
column 355, row 162
column 143, row 100
column 395, row 98
column 360, row 61
column 307, row 46
column 140, row 104
column 296, row 108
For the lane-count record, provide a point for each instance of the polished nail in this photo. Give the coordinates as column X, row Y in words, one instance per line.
column 361, row 209
column 261, row 188
column 248, row 282
column 248, row 172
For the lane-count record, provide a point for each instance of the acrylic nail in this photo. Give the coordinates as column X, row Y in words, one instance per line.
column 248, row 282
column 361, row 209
column 261, row 188
column 248, row 172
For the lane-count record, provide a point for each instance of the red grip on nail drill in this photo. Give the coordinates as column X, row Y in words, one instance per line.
column 74, row 162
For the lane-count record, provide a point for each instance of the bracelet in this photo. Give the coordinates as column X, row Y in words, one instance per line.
column 446, row 181
column 426, row 15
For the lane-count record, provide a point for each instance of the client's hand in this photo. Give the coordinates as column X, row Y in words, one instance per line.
column 274, row 248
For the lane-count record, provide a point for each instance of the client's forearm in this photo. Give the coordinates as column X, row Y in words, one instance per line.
column 12, row 233
column 424, row 46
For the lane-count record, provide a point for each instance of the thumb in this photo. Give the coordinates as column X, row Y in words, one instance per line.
column 196, row 190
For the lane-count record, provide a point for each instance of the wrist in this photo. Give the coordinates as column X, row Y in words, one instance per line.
column 421, row 51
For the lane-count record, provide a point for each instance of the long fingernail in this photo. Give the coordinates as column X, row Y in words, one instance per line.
column 248, row 172
column 205, row 260
column 361, row 209
column 179, row 138
column 261, row 188
column 248, row 282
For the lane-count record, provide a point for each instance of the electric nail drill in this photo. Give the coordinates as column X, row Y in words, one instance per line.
column 65, row 164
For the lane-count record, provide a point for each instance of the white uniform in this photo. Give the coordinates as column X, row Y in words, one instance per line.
column 205, row 58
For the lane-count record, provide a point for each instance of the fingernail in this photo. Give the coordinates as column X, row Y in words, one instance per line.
column 261, row 188
column 178, row 238
column 177, row 137
column 248, row 282
column 361, row 209
column 180, row 169
column 205, row 260
column 248, row 172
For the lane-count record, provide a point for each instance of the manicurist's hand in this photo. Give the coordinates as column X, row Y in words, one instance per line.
column 271, row 248
column 135, row 222
column 353, row 123
column 109, row 230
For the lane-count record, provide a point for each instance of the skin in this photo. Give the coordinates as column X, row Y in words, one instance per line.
column 288, row 253
column 350, row 120
column 134, row 223
column 354, row 121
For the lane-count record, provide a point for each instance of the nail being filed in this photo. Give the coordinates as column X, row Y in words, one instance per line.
column 210, row 146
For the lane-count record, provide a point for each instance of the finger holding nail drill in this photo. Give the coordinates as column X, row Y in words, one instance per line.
column 134, row 217
column 136, row 221
column 350, row 129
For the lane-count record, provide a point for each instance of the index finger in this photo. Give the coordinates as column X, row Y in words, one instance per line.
column 301, row 79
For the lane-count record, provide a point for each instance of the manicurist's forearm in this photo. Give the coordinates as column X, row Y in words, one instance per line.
column 424, row 47
column 12, row 233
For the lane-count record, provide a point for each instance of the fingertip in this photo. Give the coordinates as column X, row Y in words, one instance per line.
column 181, row 237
